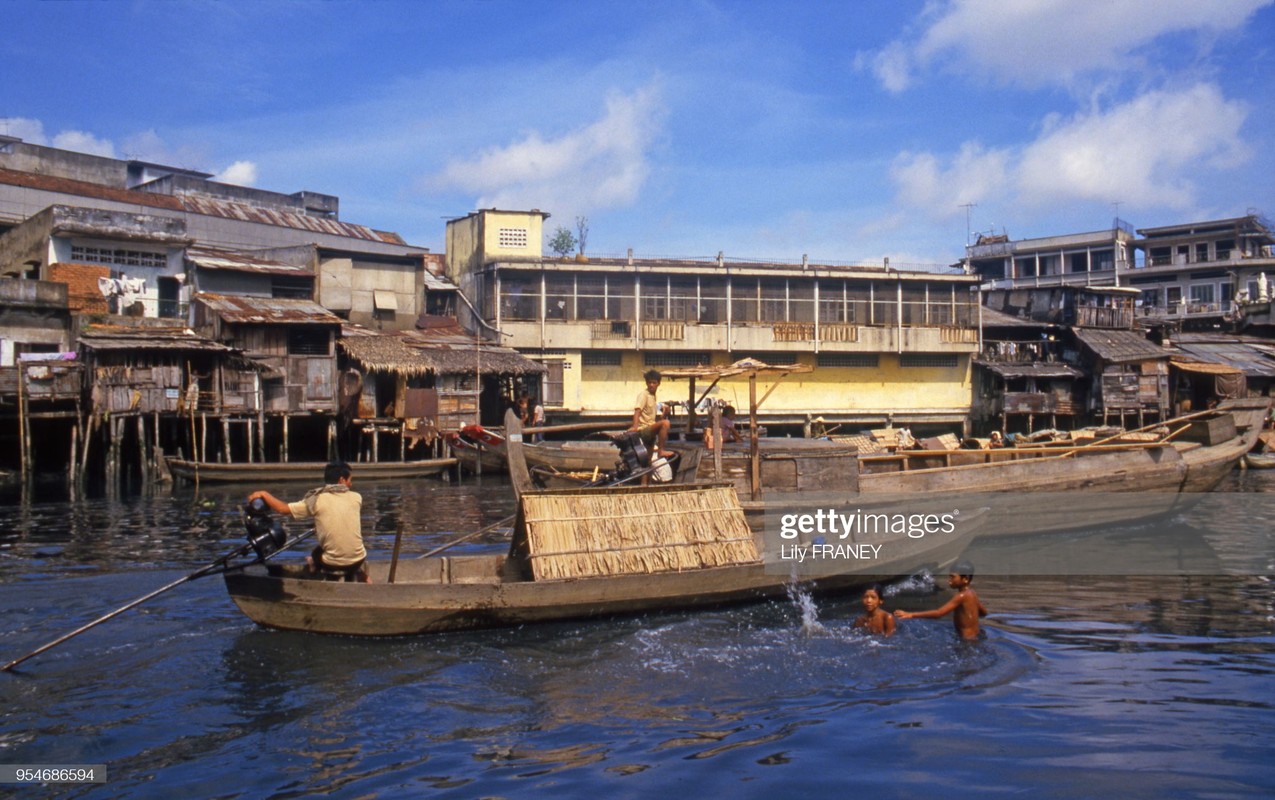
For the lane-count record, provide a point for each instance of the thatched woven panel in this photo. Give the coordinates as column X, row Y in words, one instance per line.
column 597, row 532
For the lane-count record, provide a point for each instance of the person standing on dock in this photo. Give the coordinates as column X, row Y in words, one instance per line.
column 652, row 430
column 335, row 508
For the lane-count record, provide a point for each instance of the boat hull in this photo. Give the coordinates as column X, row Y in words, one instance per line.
column 448, row 594
column 312, row 471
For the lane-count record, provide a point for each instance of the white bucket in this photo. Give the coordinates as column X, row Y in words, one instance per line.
column 661, row 470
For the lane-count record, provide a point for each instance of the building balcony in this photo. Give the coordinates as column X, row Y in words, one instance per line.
column 797, row 337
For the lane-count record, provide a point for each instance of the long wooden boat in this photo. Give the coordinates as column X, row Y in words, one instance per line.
column 446, row 593
column 1123, row 480
column 208, row 472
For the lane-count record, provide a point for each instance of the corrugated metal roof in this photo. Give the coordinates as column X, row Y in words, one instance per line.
column 209, row 258
column 1120, row 346
column 147, row 338
column 199, row 204
column 267, row 310
column 1247, row 357
column 1033, row 370
column 438, row 283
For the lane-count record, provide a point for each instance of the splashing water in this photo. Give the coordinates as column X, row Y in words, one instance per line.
column 805, row 603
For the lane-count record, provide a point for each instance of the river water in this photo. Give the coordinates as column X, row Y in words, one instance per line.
column 1084, row 686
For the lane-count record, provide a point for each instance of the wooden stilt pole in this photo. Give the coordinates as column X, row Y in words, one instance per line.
column 24, row 451
column 285, row 437
column 140, row 425
column 225, row 438
column 75, row 451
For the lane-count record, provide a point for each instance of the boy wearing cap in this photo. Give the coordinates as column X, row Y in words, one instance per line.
column 965, row 607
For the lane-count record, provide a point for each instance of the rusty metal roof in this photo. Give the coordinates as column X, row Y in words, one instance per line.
column 1248, row 358
column 116, row 337
column 211, row 258
column 1032, row 370
column 199, row 204
column 1120, row 346
column 267, row 310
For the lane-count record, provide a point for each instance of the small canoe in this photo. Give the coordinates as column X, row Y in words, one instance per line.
column 312, row 471
column 1259, row 461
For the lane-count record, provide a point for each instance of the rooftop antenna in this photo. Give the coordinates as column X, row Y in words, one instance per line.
column 967, row 207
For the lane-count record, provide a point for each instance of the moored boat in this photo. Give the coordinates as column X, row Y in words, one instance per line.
column 1123, row 480
column 211, row 472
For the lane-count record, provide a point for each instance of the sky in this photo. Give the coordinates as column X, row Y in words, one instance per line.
column 845, row 131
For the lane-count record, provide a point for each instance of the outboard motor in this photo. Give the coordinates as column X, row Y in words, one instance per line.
column 633, row 453
column 265, row 534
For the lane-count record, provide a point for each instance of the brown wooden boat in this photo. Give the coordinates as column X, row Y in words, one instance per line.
column 535, row 583
column 1123, row 478
column 210, row 472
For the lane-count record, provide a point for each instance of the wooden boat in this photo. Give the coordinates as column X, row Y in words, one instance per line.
column 684, row 464
column 312, row 471
column 1259, row 461
column 474, row 445
column 1123, row 480
column 604, row 569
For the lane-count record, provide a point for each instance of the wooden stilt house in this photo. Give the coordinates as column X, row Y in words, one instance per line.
column 412, row 385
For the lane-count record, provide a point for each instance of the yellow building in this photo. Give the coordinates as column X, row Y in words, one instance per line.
column 886, row 346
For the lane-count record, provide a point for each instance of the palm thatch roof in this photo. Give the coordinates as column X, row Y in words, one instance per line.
column 633, row 531
column 424, row 353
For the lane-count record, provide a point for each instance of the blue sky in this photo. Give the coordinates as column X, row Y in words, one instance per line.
column 844, row 130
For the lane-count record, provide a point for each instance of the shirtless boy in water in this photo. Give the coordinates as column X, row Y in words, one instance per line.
column 965, row 607
column 875, row 618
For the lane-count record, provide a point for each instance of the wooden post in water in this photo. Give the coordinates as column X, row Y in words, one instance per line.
column 754, row 446
column 285, row 436
column 24, row 452
column 140, row 425
column 75, row 451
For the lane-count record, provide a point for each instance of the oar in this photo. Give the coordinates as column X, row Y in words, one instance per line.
column 468, row 536
column 219, row 564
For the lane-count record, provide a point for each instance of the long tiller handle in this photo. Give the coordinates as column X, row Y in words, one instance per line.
column 217, row 566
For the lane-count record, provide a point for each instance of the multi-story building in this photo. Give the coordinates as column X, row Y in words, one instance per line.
column 131, row 221
column 1194, row 274
column 885, row 345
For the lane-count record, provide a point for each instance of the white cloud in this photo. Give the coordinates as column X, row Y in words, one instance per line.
column 602, row 165
column 83, row 142
column 973, row 175
column 28, row 130
column 240, row 173
column 1145, row 152
column 1148, row 152
column 1045, row 42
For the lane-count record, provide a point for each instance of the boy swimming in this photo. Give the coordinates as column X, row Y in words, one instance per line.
column 965, row 606
column 875, row 618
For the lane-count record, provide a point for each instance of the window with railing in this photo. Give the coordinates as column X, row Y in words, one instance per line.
column 854, row 360
column 118, row 256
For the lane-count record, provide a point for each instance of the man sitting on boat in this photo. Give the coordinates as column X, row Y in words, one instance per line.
column 336, row 509
column 653, row 431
